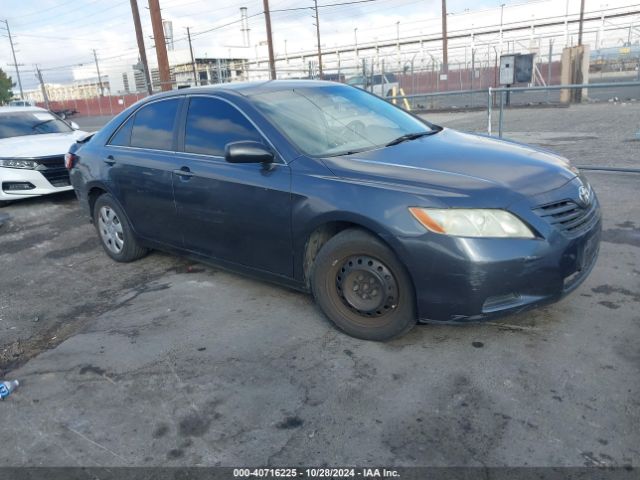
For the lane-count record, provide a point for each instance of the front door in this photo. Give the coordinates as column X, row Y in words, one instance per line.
column 239, row 213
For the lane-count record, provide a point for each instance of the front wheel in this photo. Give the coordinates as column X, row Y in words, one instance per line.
column 362, row 287
column 116, row 234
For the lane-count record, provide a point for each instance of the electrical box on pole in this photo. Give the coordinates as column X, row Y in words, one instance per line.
column 516, row 68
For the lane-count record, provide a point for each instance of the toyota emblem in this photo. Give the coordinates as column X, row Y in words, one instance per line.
column 584, row 195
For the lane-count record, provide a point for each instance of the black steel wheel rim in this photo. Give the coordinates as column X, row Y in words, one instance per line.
column 367, row 286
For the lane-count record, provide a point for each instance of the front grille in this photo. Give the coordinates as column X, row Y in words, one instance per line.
column 568, row 216
column 58, row 177
column 54, row 170
column 51, row 162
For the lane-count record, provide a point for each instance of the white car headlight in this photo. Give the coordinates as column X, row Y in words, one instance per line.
column 17, row 163
column 465, row 222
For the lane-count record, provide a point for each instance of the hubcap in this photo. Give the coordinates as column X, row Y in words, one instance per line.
column 110, row 229
column 367, row 286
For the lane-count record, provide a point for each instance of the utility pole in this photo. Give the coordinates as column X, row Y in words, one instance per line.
column 141, row 50
column 161, row 45
column 267, row 19
column 445, row 54
column 95, row 57
column 566, row 25
column 315, row 3
column 501, row 25
column 355, row 37
column 193, row 63
column 581, row 22
column 15, row 62
column 43, row 88
column 398, row 42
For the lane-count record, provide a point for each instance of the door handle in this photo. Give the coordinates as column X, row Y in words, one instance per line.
column 110, row 160
column 184, row 172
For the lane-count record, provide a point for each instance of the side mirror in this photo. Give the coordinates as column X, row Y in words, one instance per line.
column 74, row 125
column 247, row 152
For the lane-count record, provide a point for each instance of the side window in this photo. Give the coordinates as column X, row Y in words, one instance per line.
column 212, row 123
column 123, row 135
column 153, row 125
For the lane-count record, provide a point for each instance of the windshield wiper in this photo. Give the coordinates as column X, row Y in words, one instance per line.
column 410, row 136
column 350, row 152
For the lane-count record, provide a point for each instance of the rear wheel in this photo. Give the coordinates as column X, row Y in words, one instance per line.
column 362, row 287
column 116, row 234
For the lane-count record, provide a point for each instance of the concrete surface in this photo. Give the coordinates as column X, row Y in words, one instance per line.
column 589, row 134
column 167, row 362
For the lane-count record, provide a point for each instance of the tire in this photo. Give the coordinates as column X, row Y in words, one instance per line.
column 348, row 277
column 114, row 231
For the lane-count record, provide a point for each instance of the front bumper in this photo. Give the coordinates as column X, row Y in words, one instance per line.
column 470, row 279
column 38, row 184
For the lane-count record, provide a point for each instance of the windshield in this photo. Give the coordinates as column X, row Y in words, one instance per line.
column 19, row 124
column 336, row 120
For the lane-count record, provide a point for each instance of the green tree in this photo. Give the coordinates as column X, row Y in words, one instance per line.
column 5, row 88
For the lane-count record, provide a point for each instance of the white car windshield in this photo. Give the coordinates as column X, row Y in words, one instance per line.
column 336, row 120
column 19, row 124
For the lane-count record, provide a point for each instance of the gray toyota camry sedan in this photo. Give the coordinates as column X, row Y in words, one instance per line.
column 387, row 219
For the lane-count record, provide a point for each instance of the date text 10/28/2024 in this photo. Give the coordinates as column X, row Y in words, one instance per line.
column 315, row 473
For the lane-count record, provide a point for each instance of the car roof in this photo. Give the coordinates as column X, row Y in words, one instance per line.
column 21, row 109
column 248, row 88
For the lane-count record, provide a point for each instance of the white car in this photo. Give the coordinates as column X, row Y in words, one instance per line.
column 33, row 142
column 21, row 103
column 381, row 85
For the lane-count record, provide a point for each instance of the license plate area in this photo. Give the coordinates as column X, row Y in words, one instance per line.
column 588, row 250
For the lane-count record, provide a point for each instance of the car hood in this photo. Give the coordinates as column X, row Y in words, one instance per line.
column 42, row 145
column 460, row 164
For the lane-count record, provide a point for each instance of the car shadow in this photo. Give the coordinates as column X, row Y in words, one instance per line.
column 55, row 198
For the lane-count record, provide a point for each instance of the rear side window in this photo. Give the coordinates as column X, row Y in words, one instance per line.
column 212, row 123
column 153, row 125
column 123, row 135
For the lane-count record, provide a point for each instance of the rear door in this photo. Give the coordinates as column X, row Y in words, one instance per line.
column 140, row 159
column 239, row 213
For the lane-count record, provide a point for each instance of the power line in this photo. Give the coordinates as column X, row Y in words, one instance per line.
column 293, row 9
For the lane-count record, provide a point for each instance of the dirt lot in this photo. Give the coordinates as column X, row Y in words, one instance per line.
column 167, row 362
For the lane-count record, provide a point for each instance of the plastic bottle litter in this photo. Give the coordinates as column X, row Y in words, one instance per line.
column 7, row 387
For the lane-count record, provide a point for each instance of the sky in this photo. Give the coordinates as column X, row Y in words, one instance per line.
column 59, row 35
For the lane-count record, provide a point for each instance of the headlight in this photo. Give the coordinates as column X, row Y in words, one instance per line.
column 464, row 222
column 17, row 163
